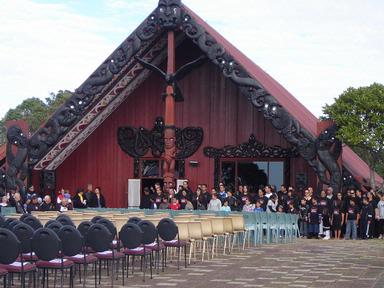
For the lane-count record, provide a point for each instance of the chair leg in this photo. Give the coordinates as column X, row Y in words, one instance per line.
column 203, row 251
column 190, row 252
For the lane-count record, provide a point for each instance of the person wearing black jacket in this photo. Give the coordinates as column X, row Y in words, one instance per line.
column 47, row 204
column 79, row 200
column 16, row 201
column 206, row 197
column 145, row 202
column 367, row 213
column 97, row 199
column 33, row 205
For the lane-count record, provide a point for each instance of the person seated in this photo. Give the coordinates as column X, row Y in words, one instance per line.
column 225, row 207
column 60, row 196
column 47, row 204
column 97, row 199
column 214, row 204
column 79, row 201
column 258, row 207
column 4, row 201
column 188, row 206
column 248, row 207
column 174, row 205
column 65, row 205
column 33, row 205
column 164, row 204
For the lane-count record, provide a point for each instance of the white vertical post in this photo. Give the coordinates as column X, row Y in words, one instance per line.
column 134, row 193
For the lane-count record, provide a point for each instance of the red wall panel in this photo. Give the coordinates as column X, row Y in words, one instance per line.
column 210, row 101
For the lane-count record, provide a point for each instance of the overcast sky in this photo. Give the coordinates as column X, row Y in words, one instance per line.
column 315, row 49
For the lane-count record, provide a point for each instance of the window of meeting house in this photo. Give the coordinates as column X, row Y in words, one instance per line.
column 252, row 173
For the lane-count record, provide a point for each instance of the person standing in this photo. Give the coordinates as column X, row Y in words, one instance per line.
column 80, row 201
column 352, row 218
column 367, row 213
column 97, row 199
column 16, row 201
column 89, row 193
column 380, row 216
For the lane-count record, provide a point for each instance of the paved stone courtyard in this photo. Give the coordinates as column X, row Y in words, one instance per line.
column 305, row 263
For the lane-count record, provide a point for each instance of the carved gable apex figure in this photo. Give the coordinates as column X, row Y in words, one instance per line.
column 169, row 14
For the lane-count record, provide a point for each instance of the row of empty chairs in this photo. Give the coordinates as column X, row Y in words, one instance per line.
column 204, row 232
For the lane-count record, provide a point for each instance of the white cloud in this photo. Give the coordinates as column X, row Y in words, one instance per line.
column 315, row 49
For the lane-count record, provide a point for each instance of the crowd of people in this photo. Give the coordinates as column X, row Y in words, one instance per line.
column 63, row 201
column 325, row 215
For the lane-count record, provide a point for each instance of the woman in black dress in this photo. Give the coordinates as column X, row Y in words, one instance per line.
column 337, row 215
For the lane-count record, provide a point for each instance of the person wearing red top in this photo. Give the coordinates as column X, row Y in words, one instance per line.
column 174, row 205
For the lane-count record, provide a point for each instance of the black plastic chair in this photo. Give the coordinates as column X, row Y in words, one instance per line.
column 65, row 220
column 47, row 246
column 169, row 233
column 84, row 227
column 97, row 218
column 131, row 237
column 151, row 241
column 23, row 216
column 73, row 247
column 55, row 226
column 2, row 221
column 134, row 220
column 24, row 233
column 11, row 250
column 8, row 221
column 12, row 224
column 49, row 222
column 99, row 239
column 33, row 222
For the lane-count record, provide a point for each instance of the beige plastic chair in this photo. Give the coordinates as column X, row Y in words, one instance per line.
column 196, row 236
column 208, row 237
column 238, row 229
column 229, row 231
column 219, row 232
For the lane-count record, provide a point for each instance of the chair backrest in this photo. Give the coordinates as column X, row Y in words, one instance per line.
column 46, row 244
column 8, row 221
column 238, row 222
column 110, row 226
column 217, row 225
column 55, row 226
column 149, row 231
column 167, row 229
column 84, row 227
column 50, row 221
column 24, row 233
column 71, row 239
column 99, row 238
column 206, row 227
column 131, row 236
column 134, row 220
column 2, row 221
column 10, row 246
column 228, row 225
column 12, row 224
column 97, row 218
column 33, row 222
column 23, row 216
column 65, row 220
column 182, row 227
column 195, row 230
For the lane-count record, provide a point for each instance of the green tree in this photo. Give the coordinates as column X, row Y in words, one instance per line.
column 359, row 114
column 34, row 110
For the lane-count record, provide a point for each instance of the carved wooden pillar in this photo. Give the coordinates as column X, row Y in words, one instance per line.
column 170, row 131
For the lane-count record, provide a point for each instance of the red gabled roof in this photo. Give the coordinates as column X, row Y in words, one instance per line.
column 307, row 120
